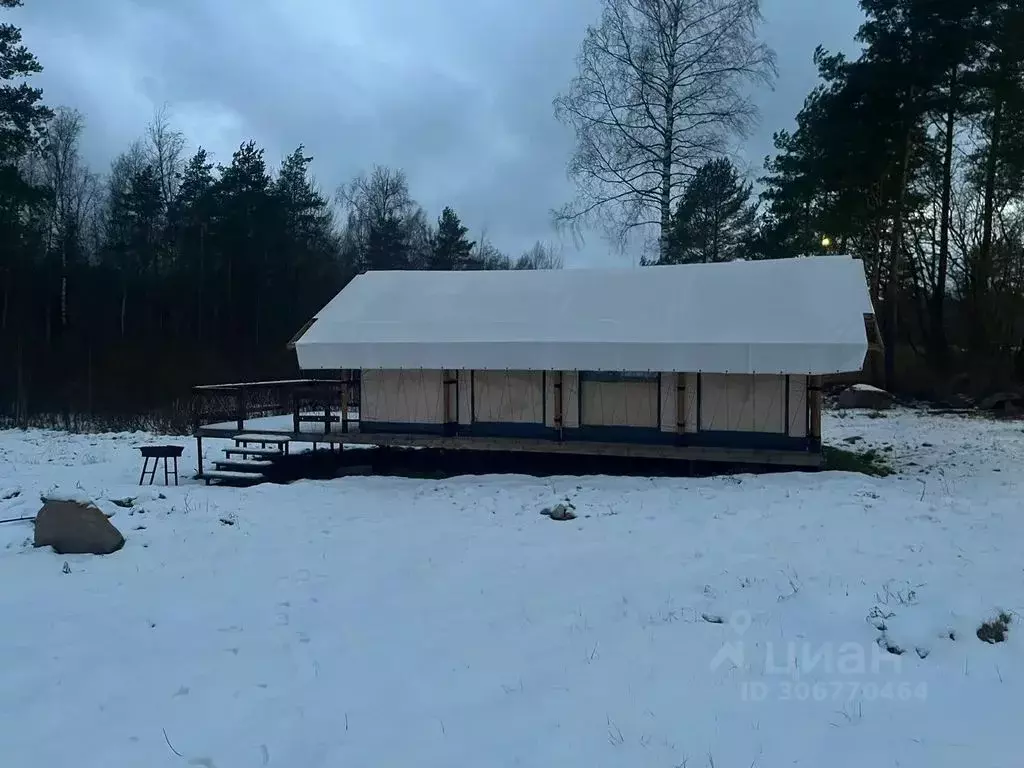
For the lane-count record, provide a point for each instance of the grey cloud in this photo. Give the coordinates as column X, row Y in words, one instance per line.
column 456, row 93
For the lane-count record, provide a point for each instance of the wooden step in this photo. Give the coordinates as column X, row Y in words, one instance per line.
column 269, row 452
column 231, row 478
column 310, row 418
column 259, row 438
column 241, row 465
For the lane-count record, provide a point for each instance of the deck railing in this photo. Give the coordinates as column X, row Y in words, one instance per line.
column 302, row 398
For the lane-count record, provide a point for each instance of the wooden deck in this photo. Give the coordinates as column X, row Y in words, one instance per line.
column 331, row 426
column 808, row 460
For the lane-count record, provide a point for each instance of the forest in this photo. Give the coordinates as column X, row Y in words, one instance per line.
column 909, row 156
column 122, row 287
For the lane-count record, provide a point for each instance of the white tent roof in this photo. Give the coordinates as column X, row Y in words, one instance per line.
column 803, row 315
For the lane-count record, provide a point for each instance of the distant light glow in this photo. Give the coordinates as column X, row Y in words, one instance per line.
column 826, row 242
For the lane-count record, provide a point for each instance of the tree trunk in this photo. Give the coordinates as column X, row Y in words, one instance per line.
column 940, row 345
column 991, row 167
column 6, row 302
column 124, row 306
column 202, row 279
column 895, row 265
column 21, row 404
column 983, row 266
column 64, row 284
column 668, row 150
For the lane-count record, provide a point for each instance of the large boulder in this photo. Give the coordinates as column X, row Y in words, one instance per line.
column 76, row 528
column 865, row 396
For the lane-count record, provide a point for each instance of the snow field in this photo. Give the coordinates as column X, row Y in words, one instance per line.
column 388, row 621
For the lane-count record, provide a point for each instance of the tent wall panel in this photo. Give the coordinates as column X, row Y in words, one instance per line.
column 669, row 401
column 798, row 406
column 465, row 398
column 571, row 395
column 512, row 397
column 742, row 403
column 769, row 404
column 691, row 412
column 619, row 403
column 402, row 396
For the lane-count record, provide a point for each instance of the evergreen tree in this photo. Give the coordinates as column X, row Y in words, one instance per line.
column 22, row 118
column 451, row 248
column 306, row 267
column 715, row 218
column 387, row 245
column 190, row 218
column 242, row 230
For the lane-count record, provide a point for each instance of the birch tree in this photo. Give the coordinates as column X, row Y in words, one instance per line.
column 75, row 192
column 165, row 150
column 662, row 86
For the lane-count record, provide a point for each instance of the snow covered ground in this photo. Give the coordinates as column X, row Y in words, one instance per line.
column 366, row 621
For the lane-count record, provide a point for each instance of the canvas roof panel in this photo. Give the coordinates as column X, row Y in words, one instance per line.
column 801, row 315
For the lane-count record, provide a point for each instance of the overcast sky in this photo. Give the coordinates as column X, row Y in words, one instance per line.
column 456, row 92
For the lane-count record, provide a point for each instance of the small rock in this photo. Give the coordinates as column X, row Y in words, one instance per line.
column 560, row 512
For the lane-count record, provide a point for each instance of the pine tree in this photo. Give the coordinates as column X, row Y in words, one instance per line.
column 451, row 248
column 387, row 246
column 22, row 118
column 715, row 218
column 190, row 218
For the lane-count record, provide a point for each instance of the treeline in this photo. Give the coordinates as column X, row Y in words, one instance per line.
column 122, row 288
column 910, row 156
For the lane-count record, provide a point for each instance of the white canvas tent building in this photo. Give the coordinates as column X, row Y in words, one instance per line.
column 716, row 361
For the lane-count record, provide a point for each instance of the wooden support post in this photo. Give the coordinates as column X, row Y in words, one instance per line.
column 814, row 390
column 240, row 408
column 559, row 403
column 680, row 403
column 345, row 381
column 296, row 407
column 199, row 454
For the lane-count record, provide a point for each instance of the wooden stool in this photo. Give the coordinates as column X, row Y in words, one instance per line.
column 157, row 452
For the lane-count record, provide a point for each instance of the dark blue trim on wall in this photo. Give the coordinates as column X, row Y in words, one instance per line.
column 401, row 428
column 607, row 434
column 752, row 440
column 524, row 431
column 615, row 434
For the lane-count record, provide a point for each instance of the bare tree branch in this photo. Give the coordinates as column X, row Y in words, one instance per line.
column 165, row 148
column 661, row 87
